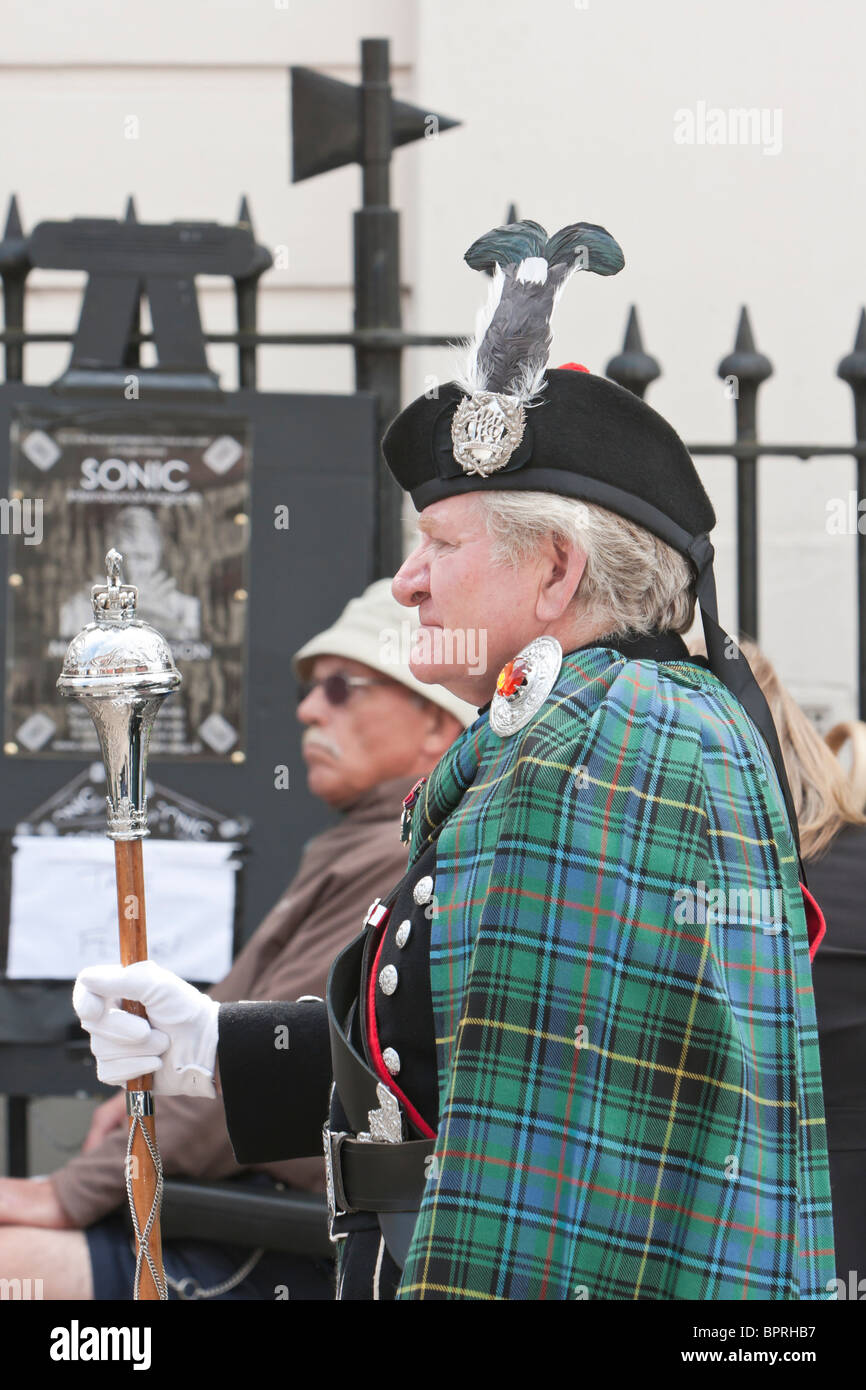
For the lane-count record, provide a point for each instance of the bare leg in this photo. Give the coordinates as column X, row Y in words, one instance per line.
column 60, row 1259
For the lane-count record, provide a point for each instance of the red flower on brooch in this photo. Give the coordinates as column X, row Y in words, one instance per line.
column 511, row 678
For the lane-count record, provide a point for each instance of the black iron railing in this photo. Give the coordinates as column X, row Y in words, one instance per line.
column 378, row 353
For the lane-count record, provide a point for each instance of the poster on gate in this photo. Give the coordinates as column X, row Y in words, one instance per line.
column 172, row 494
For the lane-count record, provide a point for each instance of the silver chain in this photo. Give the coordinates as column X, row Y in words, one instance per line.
column 197, row 1291
column 142, row 1238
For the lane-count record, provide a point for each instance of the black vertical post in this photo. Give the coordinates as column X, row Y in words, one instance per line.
column 17, row 1136
column 132, row 355
column 14, row 267
column 247, row 309
column 633, row 368
column 745, row 369
column 377, row 285
column 853, row 370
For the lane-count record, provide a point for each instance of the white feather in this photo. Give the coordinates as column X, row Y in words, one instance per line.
column 469, row 377
column 530, row 383
column 533, row 271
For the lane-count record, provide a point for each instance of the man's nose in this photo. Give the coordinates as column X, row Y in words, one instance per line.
column 410, row 584
column 314, row 708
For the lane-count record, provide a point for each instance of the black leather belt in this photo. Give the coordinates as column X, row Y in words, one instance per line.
column 371, row 1176
column 366, row 1174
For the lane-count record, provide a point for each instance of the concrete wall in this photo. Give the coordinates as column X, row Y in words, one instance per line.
column 570, row 110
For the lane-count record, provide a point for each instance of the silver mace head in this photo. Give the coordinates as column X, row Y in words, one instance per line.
column 121, row 669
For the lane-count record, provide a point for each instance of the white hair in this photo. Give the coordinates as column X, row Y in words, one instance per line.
column 633, row 581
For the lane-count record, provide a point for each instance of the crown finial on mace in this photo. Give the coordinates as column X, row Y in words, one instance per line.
column 121, row 669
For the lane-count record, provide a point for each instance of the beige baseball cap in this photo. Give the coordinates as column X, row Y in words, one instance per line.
column 377, row 630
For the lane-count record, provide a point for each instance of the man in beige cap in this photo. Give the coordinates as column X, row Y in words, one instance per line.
column 371, row 729
column 357, row 741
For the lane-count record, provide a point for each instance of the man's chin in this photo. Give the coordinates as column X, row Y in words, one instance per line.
column 464, row 682
column 436, row 672
column 426, row 672
column 323, row 779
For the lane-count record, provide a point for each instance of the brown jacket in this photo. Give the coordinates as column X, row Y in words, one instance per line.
column 340, row 873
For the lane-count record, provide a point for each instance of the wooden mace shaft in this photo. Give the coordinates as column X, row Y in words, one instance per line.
column 132, row 929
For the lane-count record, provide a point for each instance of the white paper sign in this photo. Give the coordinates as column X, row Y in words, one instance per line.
column 64, row 906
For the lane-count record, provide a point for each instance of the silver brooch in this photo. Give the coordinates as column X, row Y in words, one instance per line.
column 524, row 684
column 485, row 430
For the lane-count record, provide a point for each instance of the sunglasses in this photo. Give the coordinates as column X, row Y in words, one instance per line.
column 336, row 688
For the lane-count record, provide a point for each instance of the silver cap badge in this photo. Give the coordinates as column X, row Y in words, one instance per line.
column 485, row 430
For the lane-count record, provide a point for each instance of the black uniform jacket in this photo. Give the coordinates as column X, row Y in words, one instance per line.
column 276, row 1071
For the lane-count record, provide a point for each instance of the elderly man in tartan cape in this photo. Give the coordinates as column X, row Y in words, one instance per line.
column 573, row 1053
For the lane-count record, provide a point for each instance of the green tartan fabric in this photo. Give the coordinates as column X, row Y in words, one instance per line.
column 630, row 1088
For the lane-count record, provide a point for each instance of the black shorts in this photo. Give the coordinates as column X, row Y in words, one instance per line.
column 194, row 1266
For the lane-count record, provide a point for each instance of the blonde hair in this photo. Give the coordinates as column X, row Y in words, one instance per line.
column 824, row 800
column 633, row 582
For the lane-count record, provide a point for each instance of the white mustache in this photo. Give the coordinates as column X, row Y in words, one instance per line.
column 322, row 740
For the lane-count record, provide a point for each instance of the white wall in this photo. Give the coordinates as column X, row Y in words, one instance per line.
column 568, row 109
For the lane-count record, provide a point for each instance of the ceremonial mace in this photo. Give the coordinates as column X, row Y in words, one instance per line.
column 122, row 669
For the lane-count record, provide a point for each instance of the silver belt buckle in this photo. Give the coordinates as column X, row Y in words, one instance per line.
column 332, row 1144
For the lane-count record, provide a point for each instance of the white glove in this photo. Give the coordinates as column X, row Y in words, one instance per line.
column 177, row 1041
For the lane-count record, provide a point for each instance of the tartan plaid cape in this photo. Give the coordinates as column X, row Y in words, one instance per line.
column 629, row 1078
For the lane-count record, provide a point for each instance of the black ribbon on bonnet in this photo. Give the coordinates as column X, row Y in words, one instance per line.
column 730, row 665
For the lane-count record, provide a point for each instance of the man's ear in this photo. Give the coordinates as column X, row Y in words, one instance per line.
column 562, row 568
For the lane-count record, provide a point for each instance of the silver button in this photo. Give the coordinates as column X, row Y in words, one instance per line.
column 423, row 890
column 403, row 933
column 388, row 979
column 391, row 1058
